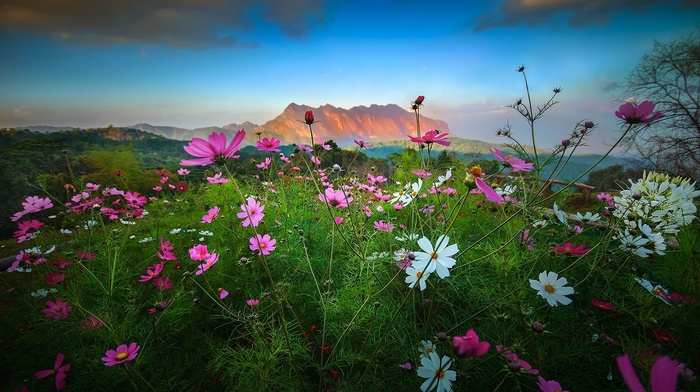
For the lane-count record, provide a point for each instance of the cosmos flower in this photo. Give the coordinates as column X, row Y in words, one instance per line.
column 435, row 259
column 416, row 276
column 515, row 164
column 213, row 150
column 212, row 214
column 473, row 180
column 58, row 309
column 430, row 137
column 122, row 354
column 337, row 199
column 549, row 386
column 252, row 212
column 551, row 288
column 663, row 377
column 263, row 244
column 269, row 145
column 469, row 345
column 638, row 114
column 570, row 250
column 59, row 370
column 435, row 370
column 309, row 117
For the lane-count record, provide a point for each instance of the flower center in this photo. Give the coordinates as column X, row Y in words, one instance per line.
column 549, row 288
column 439, row 373
column 121, row 355
column 434, row 255
column 476, row 171
column 419, row 274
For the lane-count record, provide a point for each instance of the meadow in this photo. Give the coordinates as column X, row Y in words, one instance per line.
column 308, row 276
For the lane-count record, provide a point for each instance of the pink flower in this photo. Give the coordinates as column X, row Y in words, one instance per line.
column 152, row 272
column 602, row 305
column 252, row 302
column 222, row 293
column 91, row 323
column 516, row 362
column 419, row 100
column 604, row 197
column 213, row 150
column 264, row 164
column 35, row 204
column 338, row 220
column 639, row 114
column 54, row 277
column 217, row 179
column 208, row 263
column 162, row 284
column 122, row 354
column 337, row 199
column 263, row 244
column 252, row 213
column 375, row 180
column 27, row 230
column 58, row 370
column 431, row 137
column 515, row 164
column 362, row 144
column 384, row 226
column 158, row 188
column 422, row 173
column 211, row 215
column 316, row 161
column 549, row 386
column 58, row 309
column 474, row 180
column 270, row 144
column 309, row 117
column 469, row 345
column 569, row 249
column 166, row 251
column 199, row 253
column 663, row 377
column 182, row 171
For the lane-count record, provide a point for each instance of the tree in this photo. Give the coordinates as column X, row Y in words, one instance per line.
column 669, row 75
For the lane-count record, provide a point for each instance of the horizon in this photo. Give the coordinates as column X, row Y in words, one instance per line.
column 225, row 62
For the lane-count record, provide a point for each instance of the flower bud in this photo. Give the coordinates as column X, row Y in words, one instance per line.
column 514, row 366
column 566, row 142
column 442, row 336
column 537, row 327
column 588, row 124
column 309, row 117
column 419, row 100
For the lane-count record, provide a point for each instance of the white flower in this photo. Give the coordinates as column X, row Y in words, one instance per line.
column 409, row 192
column 406, row 237
column 588, row 217
column 436, row 371
column 634, row 244
column 435, row 259
column 426, row 347
column 441, row 179
column 416, row 276
column 176, row 230
column 561, row 215
column 147, row 239
column 551, row 287
column 655, row 290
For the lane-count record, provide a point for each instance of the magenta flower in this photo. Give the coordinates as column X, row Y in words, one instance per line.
column 252, row 213
column 270, row 144
column 58, row 370
column 474, row 180
column 263, row 244
column 217, row 179
column 315, row 160
column 430, row 137
column 469, row 345
column 54, row 277
column 337, row 199
column 182, row 171
column 569, row 249
column 213, row 150
column 252, row 302
column 208, row 263
column 165, row 252
column 663, row 377
column 384, row 226
column 419, row 100
column 152, row 272
column 27, row 230
column 211, row 215
column 91, row 323
column 122, row 354
column 35, row 204
column 199, row 253
column 549, row 386
column 58, row 309
column 222, row 293
column 162, row 284
column 264, row 164
column 515, row 362
column 338, row 220
column 362, row 144
column 638, row 114
column 602, row 305
column 515, row 164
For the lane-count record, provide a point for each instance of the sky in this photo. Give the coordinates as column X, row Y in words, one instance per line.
column 199, row 63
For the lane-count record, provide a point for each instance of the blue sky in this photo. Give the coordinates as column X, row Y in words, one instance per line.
column 197, row 63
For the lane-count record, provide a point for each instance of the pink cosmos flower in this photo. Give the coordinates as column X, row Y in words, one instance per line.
column 222, row 293
column 474, row 180
column 217, row 179
column 638, row 114
column 211, row 215
column 166, row 251
column 35, row 204
column 158, row 188
column 316, row 161
column 515, row 164
column 270, row 144
column 199, row 253
column 375, row 180
column 252, row 302
column 152, row 272
column 263, row 244
column 27, row 230
column 338, row 220
column 511, row 357
column 430, row 137
column 569, row 249
column 213, row 150
column 122, row 354
column 162, row 284
column 208, row 263
column 182, row 171
column 264, row 164
column 602, row 305
column 91, row 323
column 337, row 199
column 663, row 377
column 469, row 345
column 252, row 213
column 362, row 144
column 54, row 277
column 422, row 173
column 384, row 226
column 549, row 386
column 59, row 370
column 58, row 309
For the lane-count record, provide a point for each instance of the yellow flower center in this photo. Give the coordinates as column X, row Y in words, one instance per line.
column 434, row 255
column 439, row 373
column 549, row 288
column 122, row 355
column 476, row 171
column 419, row 274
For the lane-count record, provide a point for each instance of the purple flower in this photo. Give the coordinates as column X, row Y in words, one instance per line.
column 469, row 345
column 638, row 114
column 122, row 354
column 213, row 150
column 663, row 378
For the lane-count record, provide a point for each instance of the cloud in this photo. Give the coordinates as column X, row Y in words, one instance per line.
column 22, row 112
column 174, row 23
column 580, row 13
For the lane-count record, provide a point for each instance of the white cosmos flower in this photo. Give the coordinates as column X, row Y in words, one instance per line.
column 416, row 276
column 435, row 259
column 436, row 371
column 551, row 287
column 588, row 217
column 561, row 215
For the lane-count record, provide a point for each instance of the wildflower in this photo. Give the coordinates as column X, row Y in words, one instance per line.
column 181, row 187
column 418, row 101
column 514, row 363
column 182, row 171
column 416, row 276
column 569, row 249
column 588, row 217
column 122, row 354
column 54, row 277
column 430, row 137
column 252, row 302
column 551, row 288
column 406, row 366
column 338, row 220
column 473, row 179
column 469, row 345
column 638, row 114
column 59, row 370
column 217, row 179
column 152, row 272
column 212, row 214
column 264, row 164
column 634, row 244
column 213, row 150
column 309, row 117
column 35, row 204
column 269, row 145
column 58, row 309
column 663, row 377
column 384, row 226
column 263, row 244
column 208, row 263
column 435, row 370
column 222, row 293
column 549, row 386
column 665, row 336
column 362, row 144
column 337, row 199
column 561, row 215
column 91, row 323
column 27, row 230
column 408, row 193
column 165, row 252
column 162, row 284
column 526, row 240
column 252, row 213
column 602, row 305
column 515, row 164
column 422, row 173
column 426, row 348
column 200, row 253
column 435, row 259
column 315, row 160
